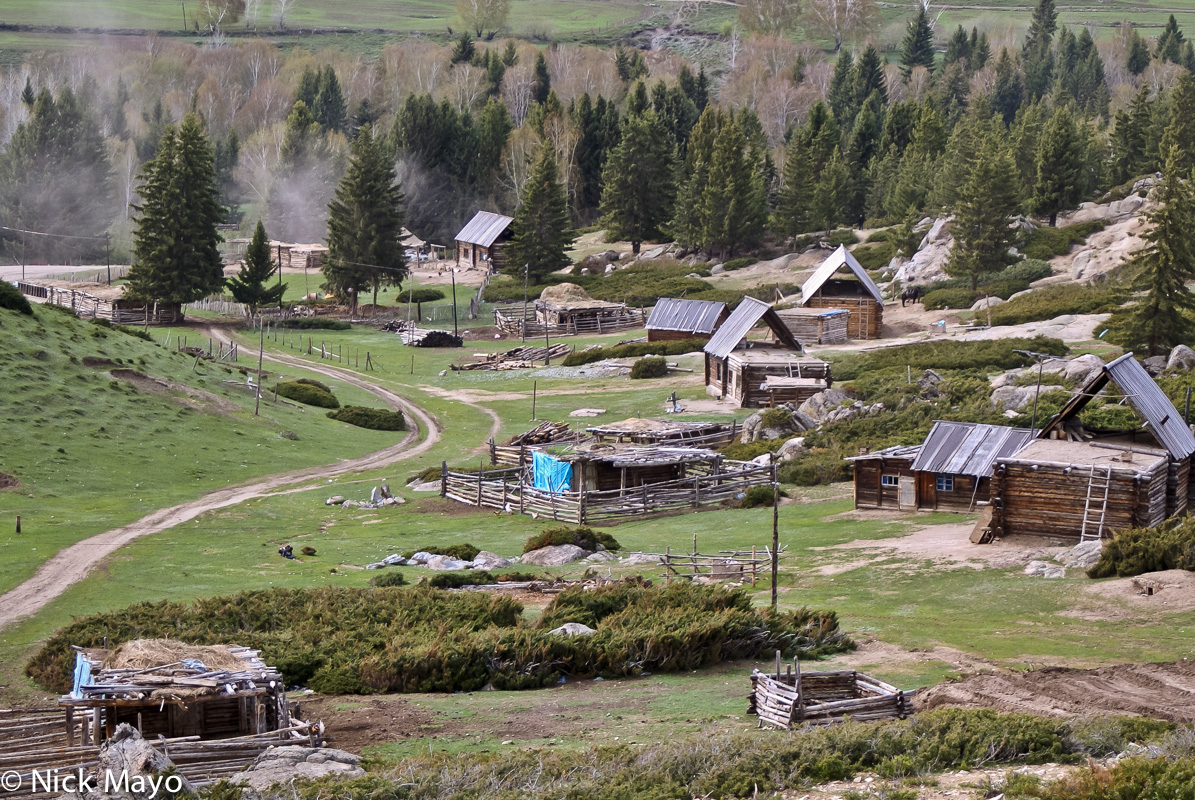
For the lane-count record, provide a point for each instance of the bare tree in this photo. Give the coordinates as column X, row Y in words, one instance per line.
column 522, row 148
column 123, row 161
column 841, row 20
column 517, row 88
column 768, row 17
column 467, row 86
column 281, row 7
column 483, row 15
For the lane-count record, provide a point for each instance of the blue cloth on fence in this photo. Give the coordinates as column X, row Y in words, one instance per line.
column 550, row 474
column 82, row 676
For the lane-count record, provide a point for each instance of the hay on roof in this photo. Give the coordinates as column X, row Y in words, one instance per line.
column 564, row 293
column 147, row 653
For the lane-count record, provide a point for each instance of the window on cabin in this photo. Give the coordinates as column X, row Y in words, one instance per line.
column 945, row 482
column 888, row 480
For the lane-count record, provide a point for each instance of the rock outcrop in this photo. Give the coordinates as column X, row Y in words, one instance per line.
column 555, row 556
column 281, row 765
column 128, row 768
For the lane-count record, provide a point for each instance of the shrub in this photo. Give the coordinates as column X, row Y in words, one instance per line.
column 1029, row 270
column 815, row 468
column 307, row 394
column 12, row 299
column 874, row 256
column 137, row 332
column 1135, row 551
column 1045, row 242
column 389, row 578
column 1049, row 302
column 745, row 451
column 675, row 347
column 315, row 324
column 882, row 235
column 584, row 537
column 988, row 356
column 757, row 497
column 649, row 367
column 842, row 236
column 638, row 285
column 1002, row 289
column 419, row 296
column 738, row 263
column 775, row 418
column 461, row 552
column 323, row 387
column 454, row 580
column 1109, row 417
column 375, row 419
column 940, row 299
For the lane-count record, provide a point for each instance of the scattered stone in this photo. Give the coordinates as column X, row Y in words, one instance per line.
column 1044, row 569
column 819, row 406
column 334, row 500
column 281, row 765
column 376, row 565
column 488, row 560
column 655, row 252
column 587, row 412
column 573, row 629
column 555, row 555
column 612, row 255
column 446, row 563
column 1181, row 357
column 609, row 270
column 419, row 558
column 424, row 486
column 791, row 449
column 127, row 756
column 1082, row 555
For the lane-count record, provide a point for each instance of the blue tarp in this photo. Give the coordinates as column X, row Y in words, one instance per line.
column 550, row 474
column 82, row 674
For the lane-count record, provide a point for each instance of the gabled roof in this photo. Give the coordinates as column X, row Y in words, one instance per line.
column 742, row 320
column 484, row 229
column 691, row 316
column 896, row 451
column 1143, row 395
column 969, row 448
column 838, row 259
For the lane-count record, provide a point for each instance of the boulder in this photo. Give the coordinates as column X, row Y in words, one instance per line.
column 1082, row 555
column 780, row 262
column 488, row 560
column 573, row 629
column 446, row 563
column 377, row 565
column 555, row 555
column 1017, row 397
column 819, row 406
column 654, row 252
column 419, row 558
column 1147, row 183
column 1181, row 357
column 334, row 500
column 1044, row 569
column 587, row 412
column 1130, row 205
column 1007, row 378
column 984, row 303
column 609, row 270
column 1081, row 369
column 640, row 558
column 282, row 765
column 395, row 560
column 128, row 760
column 1155, row 365
column 937, row 233
column 791, row 449
column 717, row 269
column 763, row 460
column 928, row 263
column 601, row 557
column 612, row 255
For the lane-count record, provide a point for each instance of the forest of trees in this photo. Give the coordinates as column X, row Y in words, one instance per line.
column 781, row 139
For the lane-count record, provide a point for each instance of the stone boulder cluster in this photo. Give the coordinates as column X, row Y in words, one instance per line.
column 379, row 497
column 551, row 556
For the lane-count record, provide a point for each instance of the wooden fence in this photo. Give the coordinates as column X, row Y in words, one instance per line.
column 87, row 305
column 510, row 489
column 522, row 321
column 821, row 698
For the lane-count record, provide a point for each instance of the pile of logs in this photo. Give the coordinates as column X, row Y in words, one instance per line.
column 546, row 433
column 822, row 698
column 522, row 357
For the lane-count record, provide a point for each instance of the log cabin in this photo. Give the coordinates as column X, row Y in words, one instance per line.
column 672, row 319
column 756, row 373
column 481, row 241
column 817, row 325
column 856, row 293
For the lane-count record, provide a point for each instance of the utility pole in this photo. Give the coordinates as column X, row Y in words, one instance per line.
column 526, row 274
column 775, row 536
column 184, row 8
column 280, row 275
column 455, row 330
column 261, row 348
column 1041, row 359
column 108, row 256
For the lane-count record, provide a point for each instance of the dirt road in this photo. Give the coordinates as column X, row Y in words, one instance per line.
column 73, row 563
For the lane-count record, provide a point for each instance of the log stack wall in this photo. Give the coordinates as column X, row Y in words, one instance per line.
column 866, row 319
column 822, row 698
column 513, row 319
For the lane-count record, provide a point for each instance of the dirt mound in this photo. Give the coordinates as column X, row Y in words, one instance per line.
column 92, row 361
column 147, row 653
column 8, row 481
column 1161, row 691
column 184, row 395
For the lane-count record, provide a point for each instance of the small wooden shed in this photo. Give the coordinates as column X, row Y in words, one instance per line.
column 673, row 319
column 760, row 373
column 481, row 241
column 817, row 325
column 856, row 293
column 884, row 479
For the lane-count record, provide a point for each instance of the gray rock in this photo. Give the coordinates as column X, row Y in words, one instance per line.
column 334, row 500
column 985, row 303
column 819, row 406
column 419, row 558
column 763, row 460
column 1126, row 207
column 375, row 496
column 126, row 753
column 601, row 557
column 611, row 255
column 609, row 270
column 395, row 560
column 446, row 563
column 376, row 565
column 1007, row 378
column 555, row 556
column 1082, row 555
column 1017, row 397
column 655, row 252
column 584, row 270
column 573, row 629
column 1181, row 357
column 1080, row 264
column 791, row 449
column 1155, row 365
column 717, row 269
column 1044, row 569
column 640, row 558
column 281, row 765
column 425, row 486
column 1081, row 369
column 488, row 560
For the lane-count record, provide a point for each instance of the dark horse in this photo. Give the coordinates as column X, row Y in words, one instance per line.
column 913, row 294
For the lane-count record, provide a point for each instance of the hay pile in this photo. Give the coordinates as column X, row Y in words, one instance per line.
column 146, row 653
column 570, row 295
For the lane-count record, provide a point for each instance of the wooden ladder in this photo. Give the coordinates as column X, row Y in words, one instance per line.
column 1098, row 484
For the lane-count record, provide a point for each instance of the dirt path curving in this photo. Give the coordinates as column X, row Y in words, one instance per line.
column 72, row 564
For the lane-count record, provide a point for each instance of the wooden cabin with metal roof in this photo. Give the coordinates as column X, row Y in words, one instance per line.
column 481, row 241
column 857, row 293
column 673, row 319
column 760, row 373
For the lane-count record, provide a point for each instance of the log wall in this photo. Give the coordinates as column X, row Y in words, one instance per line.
column 867, row 316
column 869, row 489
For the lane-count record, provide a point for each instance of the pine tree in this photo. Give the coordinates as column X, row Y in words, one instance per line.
column 958, row 48
column 1179, row 137
column 249, row 286
column 330, row 108
column 962, row 149
column 689, row 225
column 464, row 49
column 735, row 200
column 983, row 215
column 543, row 83
column 792, row 210
column 981, row 50
column 494, row 127
column 831, row 193
column 541, row 233
column 175, row 242
column 1060, row 158
column 308, row 88
column 638, row 182
column 1037, row 52
column 364, row 225
column 304, row 180
column 622, row 63
column 1138, row 55
column 1130, row 138
column 868, row 78
column 1163, row 315
column 28, row 96
column 841, row 93
column 917, row 50
column 1041, row 27
column 1170, row 43
column 510, row 54
column 864, row 146
column 1009, row 92
column 1024, row 137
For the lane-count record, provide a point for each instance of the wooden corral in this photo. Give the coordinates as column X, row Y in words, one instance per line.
column 857, row 294
column 673, row 319
column 566, row 310
column 821, row 698
column 101, row 301
column 595, row 482
column 817, row 325
column 482, row 240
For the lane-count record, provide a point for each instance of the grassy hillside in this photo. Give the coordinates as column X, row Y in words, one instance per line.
column 92, row 446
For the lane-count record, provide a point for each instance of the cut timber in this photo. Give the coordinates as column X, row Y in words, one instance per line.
column 982, row 532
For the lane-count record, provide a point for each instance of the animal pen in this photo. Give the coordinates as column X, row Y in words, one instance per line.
column 566, row 310
column 821, row 698
column 517, row 450
column 101, row 301
column 589, row 483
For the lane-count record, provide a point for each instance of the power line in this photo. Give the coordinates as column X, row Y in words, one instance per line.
column 55, row 235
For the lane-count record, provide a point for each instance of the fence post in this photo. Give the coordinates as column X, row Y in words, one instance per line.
column 443, row 479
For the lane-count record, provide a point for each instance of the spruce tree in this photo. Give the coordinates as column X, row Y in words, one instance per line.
column 1037, row 53
column 464, row 49
column 868, row 78
column 735, row 199
column 689, row 225
column 958, row 48
column 1138, row 55
column 1170, row 43
column 252, row 285
column 175, row 242
column 983, row 215
column 1130, row 138
column 792, row 210
column 917, row 50
column 1162, row 314
column 1009, row 92
column 1060, row 164
column 543, row 82
column 638, row 182
column 541, row 233
column 841, row 92
column 1179, row 137
column 308, row 88
column 831, row 193
column 364, row 225
column 330, row 108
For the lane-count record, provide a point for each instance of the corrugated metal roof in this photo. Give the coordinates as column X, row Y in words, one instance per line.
column 742, row 320
column 1149, row 401
column 484, row 229
column 838, row 259
column 968, row 448
column 896, row 451
column 690, row 316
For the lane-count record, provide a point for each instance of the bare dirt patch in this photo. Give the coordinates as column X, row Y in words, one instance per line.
column 8, row 481
column 946, row 786
column 950, row 546
column 180, row 393
column 1162, row 691
column 876, row 654
column 1144, row 596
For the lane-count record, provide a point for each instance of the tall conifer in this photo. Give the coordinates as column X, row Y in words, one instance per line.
column 251, row 285
column 541, row 232
column 983, row 215
column 638, row 181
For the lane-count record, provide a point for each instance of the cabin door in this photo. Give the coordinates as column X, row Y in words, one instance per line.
column 927, row 490
column 908, row 493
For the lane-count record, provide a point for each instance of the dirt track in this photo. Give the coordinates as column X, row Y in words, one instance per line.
column 1161, row 691
column 73, row 563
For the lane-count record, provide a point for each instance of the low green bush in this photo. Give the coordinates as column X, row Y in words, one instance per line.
column 775, row 418
column 388, row 578
column 882, row 235
column 842, row 236
column 315, row 324
column 739, row 263
column 649, row 367
column 874, row 256
column 745, row 451
column 1046, row 242
column 987, row 356
column 461, row 552
column 307, row 551
column 476, row 577
column 584, row 537
column 941, row 299
column 307, row 394
column 1002, row 289
column 1049, row 302
column 1135, row 551
column 757, row 497
column 1109, row 417
column 1029, row 270
column 419, row 296
column 374, row 419
column 12, row 299
column 675, row 347
column 323, row 387
column 639, row 285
